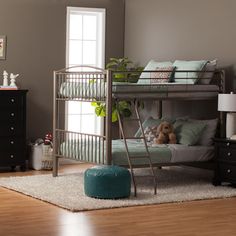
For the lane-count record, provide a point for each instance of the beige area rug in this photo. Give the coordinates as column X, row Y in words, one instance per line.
column 175, row 184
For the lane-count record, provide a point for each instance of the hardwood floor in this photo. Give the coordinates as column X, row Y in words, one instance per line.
column 22, row 215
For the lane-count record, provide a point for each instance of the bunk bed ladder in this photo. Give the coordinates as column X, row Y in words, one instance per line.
column 129, row 157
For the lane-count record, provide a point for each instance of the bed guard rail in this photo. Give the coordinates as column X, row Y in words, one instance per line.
column 81, row 83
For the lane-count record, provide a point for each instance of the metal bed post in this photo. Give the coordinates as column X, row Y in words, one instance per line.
column 55, row 158
column 108, row 117
column 222, row 114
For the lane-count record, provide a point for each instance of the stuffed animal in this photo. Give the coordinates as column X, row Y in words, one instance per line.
column 165, row 134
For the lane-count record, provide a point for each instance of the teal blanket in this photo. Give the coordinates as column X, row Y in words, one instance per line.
column 96, row 154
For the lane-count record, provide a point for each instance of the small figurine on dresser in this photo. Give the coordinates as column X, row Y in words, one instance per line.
column 5, row 78
column 12, row 85
column 13, row 79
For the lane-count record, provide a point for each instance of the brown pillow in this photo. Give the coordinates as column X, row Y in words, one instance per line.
column 162, row 74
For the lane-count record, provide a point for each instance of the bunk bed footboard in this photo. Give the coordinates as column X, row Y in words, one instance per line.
column 80, row 146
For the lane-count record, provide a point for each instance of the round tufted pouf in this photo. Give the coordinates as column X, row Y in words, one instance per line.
column 107, row 182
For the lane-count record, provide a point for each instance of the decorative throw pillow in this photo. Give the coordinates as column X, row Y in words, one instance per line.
column 152, row 122
column 188, row 77
column 205, row 77
column 188, row 133
column 152, row 65
column 150, row 133
column 208, row 133
column 163, row 74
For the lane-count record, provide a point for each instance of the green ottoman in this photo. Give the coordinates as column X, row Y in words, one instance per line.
column 107, row 182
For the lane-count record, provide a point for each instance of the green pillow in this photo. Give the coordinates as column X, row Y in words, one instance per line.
column 191, row 77
column 150, row 122
column 188, row 133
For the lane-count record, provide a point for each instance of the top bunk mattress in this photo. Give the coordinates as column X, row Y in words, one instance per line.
column 97, row 91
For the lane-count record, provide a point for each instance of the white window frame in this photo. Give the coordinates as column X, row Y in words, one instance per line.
column 102, row 40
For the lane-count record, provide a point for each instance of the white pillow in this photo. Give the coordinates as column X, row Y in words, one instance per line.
column 152, row 65
column 205, row 78
column 208, row 133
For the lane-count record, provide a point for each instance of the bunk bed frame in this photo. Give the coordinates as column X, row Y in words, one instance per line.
column 98, row 148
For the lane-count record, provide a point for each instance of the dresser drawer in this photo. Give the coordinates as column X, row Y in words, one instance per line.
column 11, row 143
column 11, row 101
column 10, row 115
column 11, row 129
column 227, row 172
column 12, row 158
column 227, row 154
column 227, row 145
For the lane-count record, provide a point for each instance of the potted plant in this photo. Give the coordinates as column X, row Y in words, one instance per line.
column 120, row 66
column 124, row 64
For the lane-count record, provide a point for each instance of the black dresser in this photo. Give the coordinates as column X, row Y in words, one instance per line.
column 226, row 161
column 13, row 128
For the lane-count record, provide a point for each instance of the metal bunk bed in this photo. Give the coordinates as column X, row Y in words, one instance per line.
column 88, row 84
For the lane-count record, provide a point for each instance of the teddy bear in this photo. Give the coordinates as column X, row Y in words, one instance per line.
column 165, row 133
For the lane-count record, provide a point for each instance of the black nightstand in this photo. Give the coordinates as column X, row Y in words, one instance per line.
column 13, row 128
column 226, row 161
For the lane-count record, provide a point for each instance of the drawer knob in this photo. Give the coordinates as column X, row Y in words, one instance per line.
column 229, row 154
column 228, row 171
column 12, row 114
column 12, row 128
column 228, row 144
column 12, row 156
column 12, row 100
column 12, row 142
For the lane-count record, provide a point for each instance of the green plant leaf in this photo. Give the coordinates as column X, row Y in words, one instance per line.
column 92, row 81
column 98, row 110
column 114, row 116
column 119, row 76
column 111, row 65
column 95, row 104
column 103, row 110
column 123, row 105
column 126, row 113
column 114, row 59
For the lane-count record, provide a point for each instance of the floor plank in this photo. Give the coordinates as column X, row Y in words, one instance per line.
column 23, row 215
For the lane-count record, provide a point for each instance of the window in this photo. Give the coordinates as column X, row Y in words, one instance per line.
column 85, row 46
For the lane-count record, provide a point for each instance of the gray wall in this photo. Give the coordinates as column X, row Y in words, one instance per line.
column 183, row 29
column 36, row 38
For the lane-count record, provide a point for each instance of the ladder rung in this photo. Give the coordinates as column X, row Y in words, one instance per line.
column 134, row 138
column 145, row 176
column 131, row 119
column 137, row 157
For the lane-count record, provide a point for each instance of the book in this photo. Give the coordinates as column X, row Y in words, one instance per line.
column 8, row 87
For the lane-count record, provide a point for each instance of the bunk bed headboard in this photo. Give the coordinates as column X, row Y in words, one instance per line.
column 77, row 83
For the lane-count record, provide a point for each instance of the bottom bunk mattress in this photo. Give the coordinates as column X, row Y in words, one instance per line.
column 160, row 154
